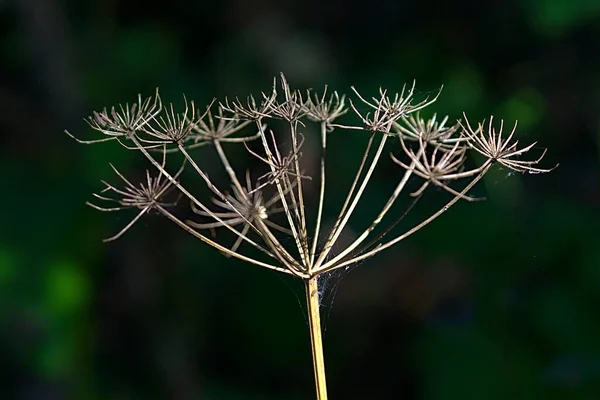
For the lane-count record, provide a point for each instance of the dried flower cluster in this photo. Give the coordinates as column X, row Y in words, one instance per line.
column 267, row 210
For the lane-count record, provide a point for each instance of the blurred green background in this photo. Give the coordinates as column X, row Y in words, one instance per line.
column 494, row 300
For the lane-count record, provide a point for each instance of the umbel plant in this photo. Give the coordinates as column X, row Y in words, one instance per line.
column 263, row 215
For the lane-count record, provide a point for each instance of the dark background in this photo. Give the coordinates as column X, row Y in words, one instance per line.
column 494, row 300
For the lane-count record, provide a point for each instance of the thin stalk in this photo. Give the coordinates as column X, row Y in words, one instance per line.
column 332, row 265
column 228, row 168
column 303, row 236
column 338, row 220
column 379, row 218
column 314, row 318
column 321, row 192
column 338, row 230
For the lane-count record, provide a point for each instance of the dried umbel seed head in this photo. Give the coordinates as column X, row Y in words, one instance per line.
column 292, row 108
column 239, row 208
column 124, row 121
column 243, row 207
column 267, row 215
column 319, row 109
column 207, row 131
column 432, row 131
column 145, row 197
column 491, row 145
column 438, row 165
column 387, row 111
column 252, row 110
column 432, row 150
column 170, row 127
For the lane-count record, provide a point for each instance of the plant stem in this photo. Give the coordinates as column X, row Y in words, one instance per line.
column 312, row 301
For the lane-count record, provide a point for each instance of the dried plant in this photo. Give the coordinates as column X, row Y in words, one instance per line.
column 269, row 208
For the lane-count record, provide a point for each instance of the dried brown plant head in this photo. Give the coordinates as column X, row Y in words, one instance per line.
column 252, row 110
column 504, row 151
column 432, row 130
column 146, row 196
column 321, row 109
column 430, row 150
column 123, row 121
column 219, row 128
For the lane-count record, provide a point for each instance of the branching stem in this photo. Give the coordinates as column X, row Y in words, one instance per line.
column 437, row 157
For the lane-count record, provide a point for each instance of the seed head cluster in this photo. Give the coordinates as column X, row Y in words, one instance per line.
column 265, row 205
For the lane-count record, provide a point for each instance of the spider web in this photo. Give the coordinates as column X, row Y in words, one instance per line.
column 328, row 283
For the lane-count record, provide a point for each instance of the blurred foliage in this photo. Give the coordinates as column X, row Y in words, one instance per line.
column 494, row 300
